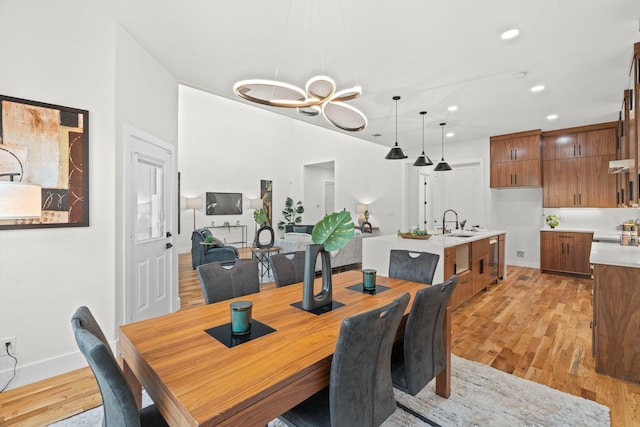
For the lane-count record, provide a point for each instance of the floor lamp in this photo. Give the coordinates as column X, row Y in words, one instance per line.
column 194, row 203
column 19, row 200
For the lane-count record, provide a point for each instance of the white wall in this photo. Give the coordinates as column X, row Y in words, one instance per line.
column 314, row 183
column 229, row 146
column 58, row 52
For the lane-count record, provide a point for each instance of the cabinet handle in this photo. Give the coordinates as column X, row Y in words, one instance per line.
column 511, row 176
column 516, row 179
column 515, row 152
column 562, row 251
column 510, row 154
column 574, row 199
column 482, row 266
column 567, row 249
column 574, row 151
column 580, row 199
column 579, row 149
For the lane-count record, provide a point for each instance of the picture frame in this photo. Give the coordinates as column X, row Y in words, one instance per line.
column 47, row 145
column 223, row 203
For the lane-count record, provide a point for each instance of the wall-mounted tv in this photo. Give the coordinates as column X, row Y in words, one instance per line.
column 224, row 204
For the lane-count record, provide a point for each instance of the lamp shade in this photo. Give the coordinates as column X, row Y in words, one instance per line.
column 361, row 207
column 255, row 203
column 442, row 166
column 19, row 200
column 193, row 202
column 396, row 153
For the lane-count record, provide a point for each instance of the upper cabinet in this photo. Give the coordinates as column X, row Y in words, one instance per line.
column 576, row 167
column 515, row 160
column 628, row 182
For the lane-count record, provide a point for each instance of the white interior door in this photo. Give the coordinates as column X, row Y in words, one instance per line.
column 329, row 197
column 150, row 287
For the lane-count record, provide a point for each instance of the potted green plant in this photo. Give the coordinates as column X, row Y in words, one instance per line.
column 552, row 220
column 292, row 213
column 331, row 233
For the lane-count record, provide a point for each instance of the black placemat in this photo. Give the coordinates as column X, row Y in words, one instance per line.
column 223, row 333
column 320, row 310
column 359, row 287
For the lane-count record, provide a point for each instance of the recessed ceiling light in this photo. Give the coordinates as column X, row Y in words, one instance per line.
column 552, row 116
column 452, row 108
column 450, row 134
column 376, row 134
column 509, row 34
column 537, row 88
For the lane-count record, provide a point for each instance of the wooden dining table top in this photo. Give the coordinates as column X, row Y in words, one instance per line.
column 196, row 380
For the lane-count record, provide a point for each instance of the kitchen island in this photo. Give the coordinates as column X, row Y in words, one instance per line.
column 476, row 256
column 616, row 314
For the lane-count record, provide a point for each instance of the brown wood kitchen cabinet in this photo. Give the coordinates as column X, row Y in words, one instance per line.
column 470, row 261
column 516, row 160
column 480, row 265
column 565, row 252
column 576, row 167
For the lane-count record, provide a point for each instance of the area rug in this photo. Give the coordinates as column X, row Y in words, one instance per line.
column 480, row 396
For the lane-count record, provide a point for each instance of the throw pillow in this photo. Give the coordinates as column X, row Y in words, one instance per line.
column 300, row 229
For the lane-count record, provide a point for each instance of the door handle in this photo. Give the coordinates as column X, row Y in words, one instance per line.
column 168, row 245
column 168, row 234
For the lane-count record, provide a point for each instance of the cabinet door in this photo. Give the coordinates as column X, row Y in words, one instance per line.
column 501, row 150
column 524, row 173
column 551, row 257
column 559, row 146
column 463, row 291
column 599, row 142
column 501, row 175
column 480, row 272
column 596, row 186
column 449, row 262
column 525, row 148
column 580, row 252
column 560, row 183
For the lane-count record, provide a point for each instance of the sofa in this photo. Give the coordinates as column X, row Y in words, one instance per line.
column 203, row 254
column 348, row 257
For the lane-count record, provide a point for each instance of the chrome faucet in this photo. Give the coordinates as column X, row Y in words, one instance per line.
column 444, row 215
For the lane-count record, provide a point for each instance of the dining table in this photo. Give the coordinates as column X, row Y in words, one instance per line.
column 198, row 374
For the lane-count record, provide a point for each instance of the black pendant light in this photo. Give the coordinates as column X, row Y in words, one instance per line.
column 422, row 159
column 396, row 152
column 442, row 166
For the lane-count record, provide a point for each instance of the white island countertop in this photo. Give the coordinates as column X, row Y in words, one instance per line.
column 375, row 250
column 615, row 254
column 439, row 241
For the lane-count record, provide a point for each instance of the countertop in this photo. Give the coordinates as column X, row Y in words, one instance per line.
column 615, row 254
column 457, row 237
column 597, row 234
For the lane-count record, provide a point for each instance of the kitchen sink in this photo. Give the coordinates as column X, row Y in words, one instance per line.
column 460, row 235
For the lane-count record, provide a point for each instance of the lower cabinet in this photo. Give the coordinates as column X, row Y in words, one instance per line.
column 470, row 261
column 565, row 252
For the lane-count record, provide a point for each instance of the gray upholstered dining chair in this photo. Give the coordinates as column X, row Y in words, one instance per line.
column 360, row 392
column 288, row 268
column 120, row 409
column 420, row 356
column 415, row 266
column 220, row 282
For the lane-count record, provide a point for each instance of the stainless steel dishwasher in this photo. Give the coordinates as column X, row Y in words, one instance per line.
column 493, row 259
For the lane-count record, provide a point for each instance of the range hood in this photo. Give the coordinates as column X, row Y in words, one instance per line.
column 620, row 166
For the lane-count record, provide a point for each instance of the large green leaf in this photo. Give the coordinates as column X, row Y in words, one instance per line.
column 260, row 217
column 333, row 231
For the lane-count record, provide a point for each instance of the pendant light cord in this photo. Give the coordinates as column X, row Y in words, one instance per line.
column 396, row 99
column 442, row 126
column 423, row 133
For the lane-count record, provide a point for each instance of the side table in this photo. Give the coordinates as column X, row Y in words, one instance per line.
column 263, row 255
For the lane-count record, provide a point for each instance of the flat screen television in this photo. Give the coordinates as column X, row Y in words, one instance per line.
column 224, row 204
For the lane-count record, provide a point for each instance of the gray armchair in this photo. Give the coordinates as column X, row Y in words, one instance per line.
column 203, row 254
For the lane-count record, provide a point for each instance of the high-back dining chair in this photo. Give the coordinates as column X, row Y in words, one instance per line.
column 288, row 268
column 415, row 266
column 220, row 282
column 120, row 409
column 360, row 392
column 420, row 357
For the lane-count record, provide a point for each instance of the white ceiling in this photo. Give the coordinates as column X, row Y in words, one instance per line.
column 432, row 54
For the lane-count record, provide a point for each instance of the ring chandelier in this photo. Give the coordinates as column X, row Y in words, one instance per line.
column 319, row 96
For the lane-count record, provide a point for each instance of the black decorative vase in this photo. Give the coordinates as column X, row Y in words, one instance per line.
column 311, row 301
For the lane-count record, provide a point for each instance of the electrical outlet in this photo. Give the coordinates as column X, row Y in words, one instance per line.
column 520, row 254
column 12, row 346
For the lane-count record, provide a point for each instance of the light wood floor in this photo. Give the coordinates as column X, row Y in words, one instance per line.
column 532, row 325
